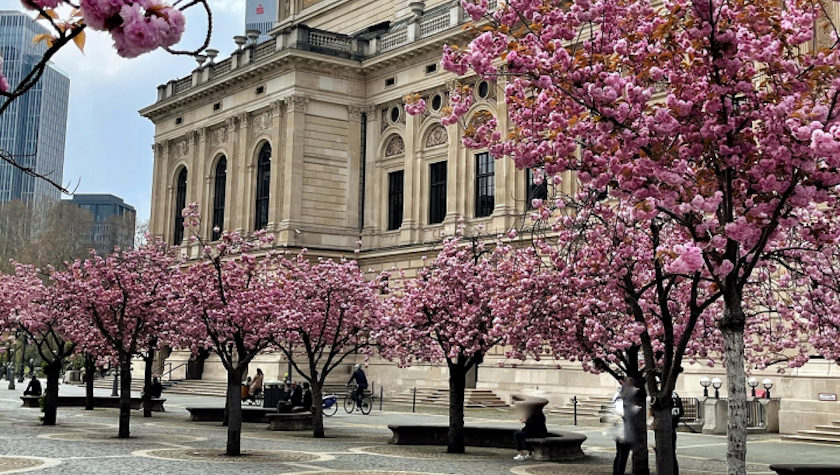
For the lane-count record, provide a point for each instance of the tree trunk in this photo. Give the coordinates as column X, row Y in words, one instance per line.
column 638, row 419
column 125, row 396
column 736, row 429
column 90, row 373
column 664, row 435
column 53, row 371
column 317, row 409
column 147, row 383
column 457, row 384
column 234, row 411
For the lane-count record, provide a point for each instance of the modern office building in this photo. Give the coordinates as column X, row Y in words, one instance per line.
column 305, row 136
column 113, row 221
column 33, row 128
column 260, row 15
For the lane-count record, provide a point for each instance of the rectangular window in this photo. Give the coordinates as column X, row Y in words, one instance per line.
column 395, row 200
column 437, row 192
column 534, row 191
column 485, row 184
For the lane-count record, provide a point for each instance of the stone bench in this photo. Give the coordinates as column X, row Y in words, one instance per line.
column 805, row 469
column 217, row 414
column 98, row 401
column 290, row 421
column 557, row 446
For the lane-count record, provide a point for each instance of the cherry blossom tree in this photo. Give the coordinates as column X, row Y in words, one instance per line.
column 121, row 304
column 136, row 27
column 605, row 290
column 719, row 116
column 327, row 312
column 227, row 307
column 27, row 305
column 445, row 315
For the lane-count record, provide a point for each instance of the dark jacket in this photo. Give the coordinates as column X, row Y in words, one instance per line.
column 34, row 388
column 307, row 400
column 535, row 425
column 297, row 396
column 156, row 390
column 360, row 378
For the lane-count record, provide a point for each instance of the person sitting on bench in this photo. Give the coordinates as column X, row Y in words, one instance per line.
column 34, row 387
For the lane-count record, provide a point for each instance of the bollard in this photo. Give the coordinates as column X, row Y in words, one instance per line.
column 10, row 374
column 381, row 393
column 574, row 403
column 413, row 399
column 114, row 391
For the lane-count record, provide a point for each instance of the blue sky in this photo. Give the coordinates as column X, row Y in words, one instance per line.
column 109, row 145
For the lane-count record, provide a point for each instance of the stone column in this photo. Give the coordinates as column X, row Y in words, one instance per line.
column 278, row 176
column 454, row 208
column 202, row 184
column 371, row 223
column 159, row 182
column 354, row 144
column 411, row 180
column 244, row 161
column 293, row 166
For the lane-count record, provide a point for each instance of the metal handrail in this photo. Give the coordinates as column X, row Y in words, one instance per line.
column 171, row 369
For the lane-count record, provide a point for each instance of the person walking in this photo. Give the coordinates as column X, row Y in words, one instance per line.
column 256, row 386
column 361, row 384
column 534, row 427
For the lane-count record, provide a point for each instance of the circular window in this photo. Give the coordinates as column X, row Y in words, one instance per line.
column 483, row 89
column 394, row 114
column 437, row 102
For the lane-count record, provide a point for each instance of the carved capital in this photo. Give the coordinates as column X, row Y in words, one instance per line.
column 356, row 112
column 296, row 103
column 276, row 108
column 242, row 119
column 201, row 134
column 232, row 124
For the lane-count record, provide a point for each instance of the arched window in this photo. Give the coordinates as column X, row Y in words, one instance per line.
column 219, row 198
column 263, row 185
column 180, row 204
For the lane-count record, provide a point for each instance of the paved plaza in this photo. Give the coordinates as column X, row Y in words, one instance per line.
column 84, row 442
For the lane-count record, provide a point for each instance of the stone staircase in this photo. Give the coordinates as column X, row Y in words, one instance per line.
column 587, row 406
column 822, row 434
column 426, row 396
column 198, row 387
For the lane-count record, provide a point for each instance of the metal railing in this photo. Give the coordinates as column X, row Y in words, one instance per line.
column 171, row 369
column 756, row 414
column 691, row 409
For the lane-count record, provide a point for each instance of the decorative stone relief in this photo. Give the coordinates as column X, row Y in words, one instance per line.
column 242, row 119
column 276, row 108
column 182, row 147
column 436, row 136
column 201, row 134
column 384, row 120
column 262, row 121
column 219, row 136
column 395, row 146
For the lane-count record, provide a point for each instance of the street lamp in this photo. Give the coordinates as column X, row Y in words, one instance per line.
column 717, row 383
column 767, row 383
column 752, row 382
column 705, row 382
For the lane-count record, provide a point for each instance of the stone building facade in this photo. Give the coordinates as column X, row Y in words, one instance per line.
column 305, row 136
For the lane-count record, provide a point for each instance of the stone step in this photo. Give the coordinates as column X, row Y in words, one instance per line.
column 813, row 439
column 819, row 433
column 828, row 428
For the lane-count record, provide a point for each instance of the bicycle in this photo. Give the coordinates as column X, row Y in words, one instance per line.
column 330, row 405
column 350, row 402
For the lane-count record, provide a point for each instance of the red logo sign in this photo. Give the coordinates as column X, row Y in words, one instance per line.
column 260, row 9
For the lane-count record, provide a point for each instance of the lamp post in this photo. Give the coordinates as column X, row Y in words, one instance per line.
column 767, row 383
column 752, row 382
column 717, row 383
column 705, row 382
column 10, row 370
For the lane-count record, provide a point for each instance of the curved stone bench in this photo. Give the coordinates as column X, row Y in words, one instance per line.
column 290, row 421
column 98, row 401
column 805, row 469
column 557, row 446
column 217, row 414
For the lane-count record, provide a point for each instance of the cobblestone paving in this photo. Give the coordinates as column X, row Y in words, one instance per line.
column 85, row 442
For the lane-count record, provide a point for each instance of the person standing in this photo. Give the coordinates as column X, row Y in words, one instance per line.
column 677, row 412
column 619, row 433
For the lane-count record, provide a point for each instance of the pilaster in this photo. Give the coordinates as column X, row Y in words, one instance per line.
column 371, row 223
column 354, row 144
column 411, row 183
column 278, row 175
column 293, row 151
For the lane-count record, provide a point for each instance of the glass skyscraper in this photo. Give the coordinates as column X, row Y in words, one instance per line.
column 33, row 128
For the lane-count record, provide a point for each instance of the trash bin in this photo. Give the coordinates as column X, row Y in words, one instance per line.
column 271, row 396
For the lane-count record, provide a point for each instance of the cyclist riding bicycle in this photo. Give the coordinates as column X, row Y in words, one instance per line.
column 361, row 383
